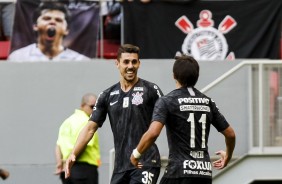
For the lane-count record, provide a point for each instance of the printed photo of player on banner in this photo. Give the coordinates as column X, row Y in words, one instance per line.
column 55, row 31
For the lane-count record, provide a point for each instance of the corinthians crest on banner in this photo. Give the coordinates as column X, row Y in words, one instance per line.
column 206, row 42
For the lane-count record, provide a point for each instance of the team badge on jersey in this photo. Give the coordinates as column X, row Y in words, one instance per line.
column 206, row 42
column 137, row 98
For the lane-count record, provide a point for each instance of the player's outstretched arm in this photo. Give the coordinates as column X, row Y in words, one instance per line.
column 225, row 156
column 84, row 137
column 146, row 142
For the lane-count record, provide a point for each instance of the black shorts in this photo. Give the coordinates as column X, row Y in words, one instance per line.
column 146, row 175
column 185, row 181
column 82, row 173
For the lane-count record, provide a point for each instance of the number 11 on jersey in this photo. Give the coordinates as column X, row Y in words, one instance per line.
column 202, row 120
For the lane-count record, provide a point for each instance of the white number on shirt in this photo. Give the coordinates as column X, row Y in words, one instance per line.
column 202, row 120
column 148, row 177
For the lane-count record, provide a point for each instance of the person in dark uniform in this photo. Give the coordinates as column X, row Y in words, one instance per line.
column 188, row 115
column 129, row 105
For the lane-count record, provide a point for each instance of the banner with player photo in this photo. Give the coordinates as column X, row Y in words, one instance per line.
column 83, row 27
column 208, row 30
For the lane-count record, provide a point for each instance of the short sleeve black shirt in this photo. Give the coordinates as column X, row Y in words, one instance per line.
column 130, row 115
column 188, row 115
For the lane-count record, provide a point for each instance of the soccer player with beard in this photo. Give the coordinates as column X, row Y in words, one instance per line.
column 51, row 20
column 129, row 105
column 188, row 115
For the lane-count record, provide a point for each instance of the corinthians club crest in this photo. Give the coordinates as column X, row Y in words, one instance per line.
column 206, row 42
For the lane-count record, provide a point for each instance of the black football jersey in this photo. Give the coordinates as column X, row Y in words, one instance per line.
column 188, row 114
column 130, row 115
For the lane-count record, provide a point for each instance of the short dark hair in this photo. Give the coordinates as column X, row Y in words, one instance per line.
column 127, row 48
column 48, row 5
column 186, row 70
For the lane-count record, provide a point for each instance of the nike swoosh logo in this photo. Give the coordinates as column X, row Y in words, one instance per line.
column 113, row 103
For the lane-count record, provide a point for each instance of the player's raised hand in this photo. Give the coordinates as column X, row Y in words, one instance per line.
column 69, row 163
column 222, row 161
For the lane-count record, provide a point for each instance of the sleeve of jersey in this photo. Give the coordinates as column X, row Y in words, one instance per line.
column 160, row 111
column 218, row 121
column 99, row 113
column 64, row 131
column 157, row 92
column 59, row 140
